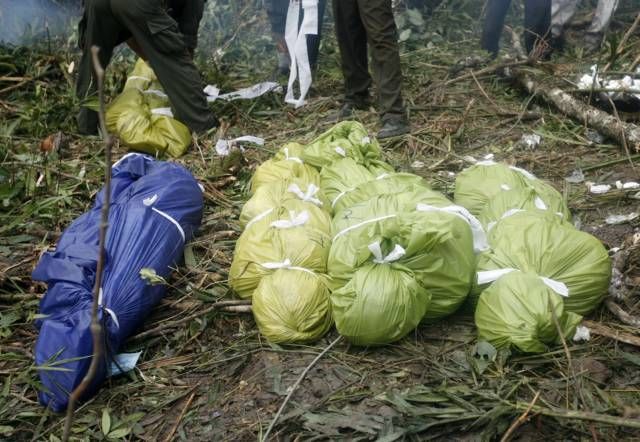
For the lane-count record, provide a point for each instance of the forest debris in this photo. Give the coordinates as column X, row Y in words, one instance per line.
column 621, row 219
column 598, row 189
column 599, row 329
column 626, row 134
column 531, row 141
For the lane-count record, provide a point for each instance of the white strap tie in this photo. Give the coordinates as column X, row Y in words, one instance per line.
column 286, row 264
column 294, row 220
column 365, row 140
column 258, row 217
column 489, row 276
column 397, row 253
column 480, row 242
column 309, row 196
column 110, row 312
column 539, row 203
column 340, row 151
column 288, row 158
column 363, row 223
column 164, row 111
column 155, row 92
column 382, row 176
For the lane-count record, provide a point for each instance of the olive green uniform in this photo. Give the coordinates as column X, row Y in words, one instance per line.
column 166, row 31
column 370, row 22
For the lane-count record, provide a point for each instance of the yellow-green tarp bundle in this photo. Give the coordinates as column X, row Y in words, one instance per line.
column 142, row 119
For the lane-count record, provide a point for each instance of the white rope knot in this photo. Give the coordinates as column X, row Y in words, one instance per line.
column 365, row 140
column 286, row 264
column 309, row 196
column 288, row 158
column 397, row 253
column 340, row 151
column 295, row 220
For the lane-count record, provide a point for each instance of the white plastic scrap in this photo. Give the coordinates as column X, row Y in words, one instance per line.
column 488, row 157
column 621, row 219
column 531, row 141
column 582, row 334
column 375, row 249
column 417, row 164
column 617, row 88
column 576, row 177
column 598, row 189
column 248, row 93
column 122, row 363
column 223, row 147
column 631, row 185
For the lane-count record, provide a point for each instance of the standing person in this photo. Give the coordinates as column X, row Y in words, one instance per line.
column 362, row 23
column 164, row 32
column 277, row 12
column 562, row 11
column 537, row 21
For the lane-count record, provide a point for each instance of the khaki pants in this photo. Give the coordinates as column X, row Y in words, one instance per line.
column 363, row 26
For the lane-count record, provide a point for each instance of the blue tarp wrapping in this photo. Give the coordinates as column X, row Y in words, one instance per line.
column 155, row 208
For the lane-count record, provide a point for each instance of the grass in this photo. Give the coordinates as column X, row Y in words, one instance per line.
column 215, row 378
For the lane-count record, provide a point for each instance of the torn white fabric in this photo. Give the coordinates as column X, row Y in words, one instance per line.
column 309, row 196
column 480, row 243
column 295, row 220
column 397, row 253
column 621, row 219
column 248, row 93
column 166, row 111
column 223, row 147
column 582, row 334
column 296, row 39
column 286, row 264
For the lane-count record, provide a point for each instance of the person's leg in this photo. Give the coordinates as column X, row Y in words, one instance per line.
column 313, row 41
column 562, row 11
column 493, row 24
column 602, row 16
column 100, row 28
column 377, row 17
column 352, row 41
column 277, row 13
column 537, row 21
column 163, row 44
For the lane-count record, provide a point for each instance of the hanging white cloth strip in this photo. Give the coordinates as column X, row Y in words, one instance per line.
column 489, row 276
column 397, row 253
column 480, row 243
column 296, row 39
column 286, row 264
column 309, row 196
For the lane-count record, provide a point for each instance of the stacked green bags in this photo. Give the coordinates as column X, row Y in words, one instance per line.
column 396, row 252
column 141, row 117
column 540, row 273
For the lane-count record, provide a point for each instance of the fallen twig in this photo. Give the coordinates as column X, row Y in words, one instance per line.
column 521, row 420
column 602, row 330
column 295, row 386
column 177, row 423
column 96, row 327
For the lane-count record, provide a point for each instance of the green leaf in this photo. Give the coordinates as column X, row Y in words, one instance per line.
column 6, row 430
column 415, row 17
column 189, row 257
column 105, row 424
column 404, row 35
column 152, row 278
column 119, row 433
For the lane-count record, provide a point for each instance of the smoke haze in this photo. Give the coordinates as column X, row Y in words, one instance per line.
column 27, row 21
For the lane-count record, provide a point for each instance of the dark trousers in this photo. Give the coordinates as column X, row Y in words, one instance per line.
column 277, row 12
column 362, row 25
column 108, row 23
column 537, row 22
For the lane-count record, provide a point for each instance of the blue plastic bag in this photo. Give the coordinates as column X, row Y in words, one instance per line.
column 155, row 208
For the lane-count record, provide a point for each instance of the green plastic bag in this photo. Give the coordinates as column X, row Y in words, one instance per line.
column 289, row 167
column 521, row 199
column 278, row 240
column 518, row 311
column 543, row 244
column 292, row 305
column 342, row 176
column 385, row 184
column 291, row 194
column 438, row 248
column 347, row 139
column 142, row 118
column 379, row 305
column 289, row 150
column 478, row 184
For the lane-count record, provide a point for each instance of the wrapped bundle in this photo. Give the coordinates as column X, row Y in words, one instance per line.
column 155, row 208
column 290, row 167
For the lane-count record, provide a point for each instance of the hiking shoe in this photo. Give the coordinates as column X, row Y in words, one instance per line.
column 394, row 127
column 346, row 112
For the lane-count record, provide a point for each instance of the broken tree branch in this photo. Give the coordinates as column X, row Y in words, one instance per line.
column 602, row 330
column 601, row 121
column 96, row 326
